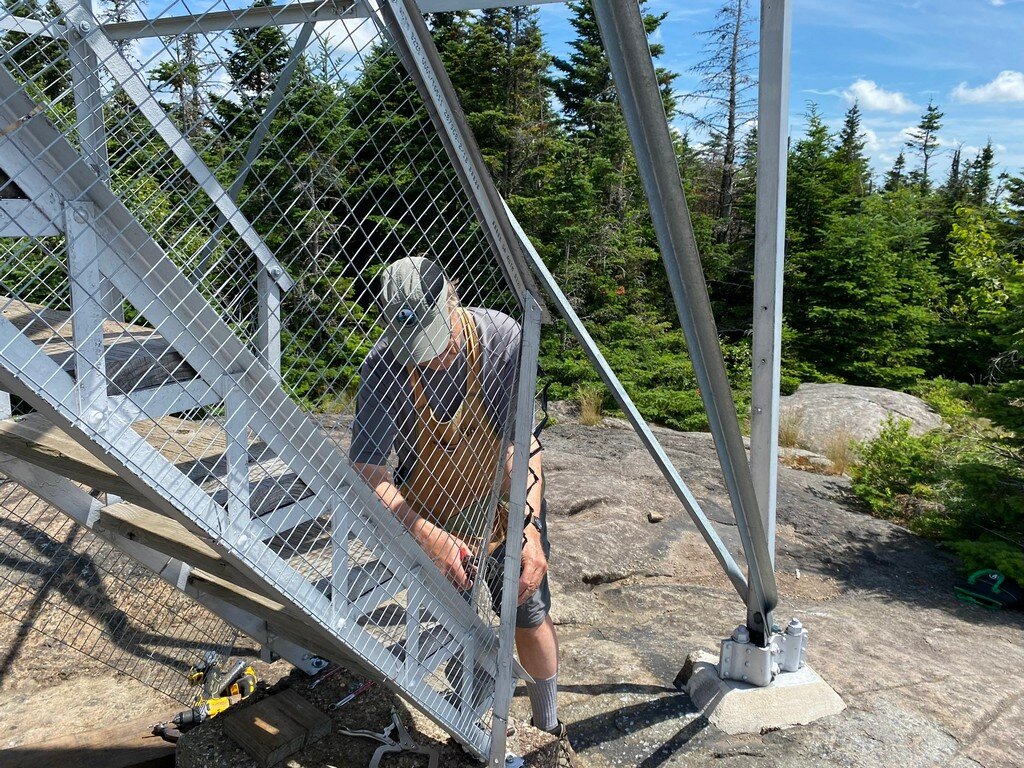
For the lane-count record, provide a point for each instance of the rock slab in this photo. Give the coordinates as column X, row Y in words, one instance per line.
column 825, row 413
column 793, row 698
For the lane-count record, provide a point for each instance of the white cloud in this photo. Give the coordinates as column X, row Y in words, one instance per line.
column 871, row 141
column 1008, row 85
column 872, row 97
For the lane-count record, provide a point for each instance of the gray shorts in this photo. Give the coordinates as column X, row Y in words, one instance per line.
column 533, row 612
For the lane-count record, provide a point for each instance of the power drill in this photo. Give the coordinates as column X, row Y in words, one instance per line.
column 217, row 692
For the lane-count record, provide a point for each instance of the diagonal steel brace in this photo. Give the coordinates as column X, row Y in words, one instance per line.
column 85, row 24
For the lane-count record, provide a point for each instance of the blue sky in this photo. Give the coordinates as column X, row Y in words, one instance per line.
column 892, row 55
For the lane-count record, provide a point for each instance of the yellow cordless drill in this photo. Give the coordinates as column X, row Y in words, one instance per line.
column 217, row 691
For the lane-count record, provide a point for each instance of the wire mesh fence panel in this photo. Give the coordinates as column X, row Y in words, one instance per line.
column 60, row 580
column 240, row 268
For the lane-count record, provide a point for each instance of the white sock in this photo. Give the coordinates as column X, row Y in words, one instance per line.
column 543, row 701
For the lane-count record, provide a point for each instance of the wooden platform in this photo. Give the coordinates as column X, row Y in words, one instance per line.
column 197, row 449
column 136, row 357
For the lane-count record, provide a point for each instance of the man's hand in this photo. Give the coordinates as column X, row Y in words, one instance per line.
column 445, row 550
column 534, row 565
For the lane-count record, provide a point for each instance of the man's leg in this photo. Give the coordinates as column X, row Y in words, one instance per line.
column 538, row 653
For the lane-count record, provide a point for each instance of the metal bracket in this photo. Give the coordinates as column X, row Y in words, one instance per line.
column 747, row 662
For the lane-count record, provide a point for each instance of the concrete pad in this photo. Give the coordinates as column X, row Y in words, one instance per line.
column 793, row 698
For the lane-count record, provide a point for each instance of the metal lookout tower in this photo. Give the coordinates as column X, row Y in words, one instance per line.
column 182, row 326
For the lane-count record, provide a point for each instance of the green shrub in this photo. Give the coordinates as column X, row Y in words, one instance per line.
column 897, row 464
column 999, row 555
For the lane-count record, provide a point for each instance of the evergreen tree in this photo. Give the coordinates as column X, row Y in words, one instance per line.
column 498, row 65
column 854, row 169
column 259, row 55
column 812, row 183
column 896, row 177
column 182, row 75
column 862, row 304
column 584, row 86
column 955, row 187
column 40, row 61
column 981, row 175
column 924, row 140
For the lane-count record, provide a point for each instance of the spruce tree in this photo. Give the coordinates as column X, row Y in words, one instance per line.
column 812, row 183
column 849, row 155
column 862, row 304
column 583, row 83
column 182, row 76
column 981, row 175
column 259, row 55
column 896, row 177
column 499, row 68
column 924, row 140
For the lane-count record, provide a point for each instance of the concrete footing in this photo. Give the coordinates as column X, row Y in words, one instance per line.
column 793, row 698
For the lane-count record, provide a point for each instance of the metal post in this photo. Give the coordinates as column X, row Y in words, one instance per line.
column 769, row 255
column 527, row 386
column 87, row 314
column 92, row 133
column 650, row 442
column 625, row 40
column 236, row 429
column 268, row 330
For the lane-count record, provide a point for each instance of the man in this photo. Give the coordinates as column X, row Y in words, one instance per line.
column 438, row 389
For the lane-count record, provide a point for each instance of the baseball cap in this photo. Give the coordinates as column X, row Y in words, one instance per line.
column 414, row 307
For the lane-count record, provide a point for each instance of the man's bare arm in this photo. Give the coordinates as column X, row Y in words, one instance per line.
column 443, row 548
column 535, row 563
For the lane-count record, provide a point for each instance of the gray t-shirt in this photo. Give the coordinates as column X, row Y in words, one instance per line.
column 385, row 418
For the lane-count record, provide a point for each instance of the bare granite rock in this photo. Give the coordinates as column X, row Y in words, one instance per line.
column 927, row 680
column 824, row 413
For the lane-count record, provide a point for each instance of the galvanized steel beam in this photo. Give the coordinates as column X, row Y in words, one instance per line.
column 625, row 402
column 769, row 254
column 625, row 41
column 519, row 486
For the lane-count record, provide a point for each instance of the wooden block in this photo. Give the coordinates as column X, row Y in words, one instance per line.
column 125, row 745
column 277, row 727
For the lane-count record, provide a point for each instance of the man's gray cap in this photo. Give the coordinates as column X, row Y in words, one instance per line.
column 414, row 308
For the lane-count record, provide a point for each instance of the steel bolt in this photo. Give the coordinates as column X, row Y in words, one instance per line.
column 795, row 627
column 84, row 27
column 276, row 271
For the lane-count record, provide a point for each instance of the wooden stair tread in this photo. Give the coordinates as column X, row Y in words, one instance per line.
column 136, row 357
